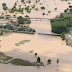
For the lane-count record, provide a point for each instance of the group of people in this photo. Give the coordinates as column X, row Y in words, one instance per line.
column 49, row 61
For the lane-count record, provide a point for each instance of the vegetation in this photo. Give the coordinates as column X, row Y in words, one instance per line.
column 7, row 15
column 4, row 6
column 62, row 23
column 43, row 14
column 4, row 32
column 25, row 63
column 63, row 35
column 29, row 1
column 22, row 42
column 13, row 9
column 42, row 8
column 5, row 59
column 36, row 9
column 20, row 20
column 59, row 27
column 55, row 8
column 28, row 9
column 1, row 17
column 49, row 11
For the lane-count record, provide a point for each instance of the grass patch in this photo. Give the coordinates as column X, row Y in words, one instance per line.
column 5, row 32
column 22, row 42
column 25, row 63
column 4, row 58
column 7, row 59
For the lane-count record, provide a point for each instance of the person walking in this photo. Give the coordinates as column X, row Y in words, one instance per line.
column 57, row 61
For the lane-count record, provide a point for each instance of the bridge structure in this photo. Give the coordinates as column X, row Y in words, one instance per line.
column 38, row 19
column 49, row 34
column 31, row 18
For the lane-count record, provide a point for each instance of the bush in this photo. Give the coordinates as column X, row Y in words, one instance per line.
column 42, row 8
column 27, row 9
column 49, row 11
column 63, row 35
column 65, row 11
column 61, row 15
column 29, row 1
column 7, row 15
column 70, row 6
column 1, row 33
column 43, row 14
column 36, row 9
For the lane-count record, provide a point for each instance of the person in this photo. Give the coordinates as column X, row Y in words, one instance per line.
column 57, row 61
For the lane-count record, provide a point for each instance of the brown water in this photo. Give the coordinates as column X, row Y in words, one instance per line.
column 46, row 47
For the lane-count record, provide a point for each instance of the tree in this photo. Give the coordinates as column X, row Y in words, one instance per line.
column 38, row 59
column 4, row 6
column 59, row 27
column 20, row 20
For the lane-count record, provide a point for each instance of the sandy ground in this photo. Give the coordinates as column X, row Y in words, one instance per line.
column 46, row 46
column 49, row 5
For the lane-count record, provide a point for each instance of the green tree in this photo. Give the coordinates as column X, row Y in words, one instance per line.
column 59, row 27
column 20, row 20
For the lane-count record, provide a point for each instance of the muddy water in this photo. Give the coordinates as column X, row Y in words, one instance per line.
column 46, row 47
